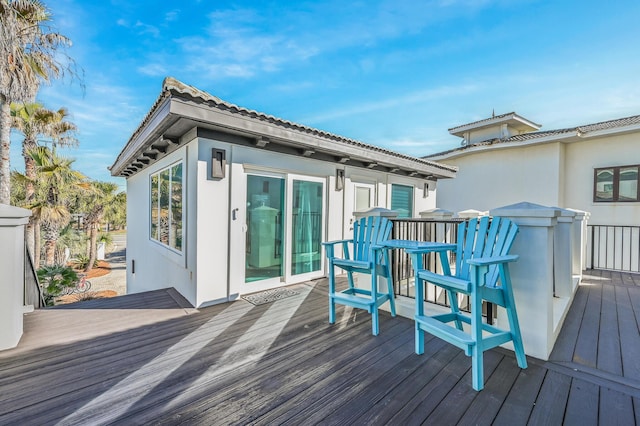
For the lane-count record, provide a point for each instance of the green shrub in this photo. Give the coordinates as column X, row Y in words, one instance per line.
column 82, row 261
column 56, row 281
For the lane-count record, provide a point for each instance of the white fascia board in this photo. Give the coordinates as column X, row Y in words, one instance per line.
column 459, row 131
column 134, row 145
column 247, row 125
column 612, row 132
column 565, row 137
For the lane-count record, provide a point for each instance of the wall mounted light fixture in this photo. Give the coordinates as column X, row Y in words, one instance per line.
column 218, row 163
column 339, row 179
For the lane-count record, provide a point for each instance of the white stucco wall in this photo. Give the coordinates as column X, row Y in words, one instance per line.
column 552, row 174
column 204, row 272
column 581, row 160
column 500, row 177
column 157, row 266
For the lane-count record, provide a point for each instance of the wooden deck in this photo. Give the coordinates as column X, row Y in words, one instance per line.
column 149, row 359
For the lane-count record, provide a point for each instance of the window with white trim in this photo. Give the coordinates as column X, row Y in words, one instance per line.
column 166, row 206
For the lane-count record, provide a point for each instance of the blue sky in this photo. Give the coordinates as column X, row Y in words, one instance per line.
column 394, row 73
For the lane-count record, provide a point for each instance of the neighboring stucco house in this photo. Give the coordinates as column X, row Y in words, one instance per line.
column 224, row 201
column 506, row 159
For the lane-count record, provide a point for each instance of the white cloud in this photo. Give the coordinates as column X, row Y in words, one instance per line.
column 172, row 15
column 146, row 29
column 153, row 70
column 411, row 98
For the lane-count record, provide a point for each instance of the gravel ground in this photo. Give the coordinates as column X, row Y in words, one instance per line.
column 115, row 280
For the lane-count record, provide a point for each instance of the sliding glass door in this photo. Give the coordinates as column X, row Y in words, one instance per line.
column 284, row 226
column 307, row 227
column 265, row 233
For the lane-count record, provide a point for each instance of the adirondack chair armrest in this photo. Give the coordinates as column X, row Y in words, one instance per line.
column 436, row 248
column 332, row 243
column 486, row 261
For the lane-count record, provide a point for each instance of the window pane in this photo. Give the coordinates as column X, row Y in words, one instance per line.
column 265, row 234
column 164, row 207
column 628, row 189
column 154, row 207
column 363, row 198
column 306, row 227
column 604, row 185
column 402, row 200
column 176, row 207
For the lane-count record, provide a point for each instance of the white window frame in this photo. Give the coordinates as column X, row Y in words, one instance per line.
column 182, row 197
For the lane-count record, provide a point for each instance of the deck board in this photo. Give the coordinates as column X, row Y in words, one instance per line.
column 566, row 344
column 586, row 352
column 154, row 360
column 551, row 403
column 609, row 357
column 629, row 334
column 582, row 406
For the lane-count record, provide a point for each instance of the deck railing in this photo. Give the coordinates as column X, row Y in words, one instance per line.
column 444, row 231
column 32, row 290
column 613, row 247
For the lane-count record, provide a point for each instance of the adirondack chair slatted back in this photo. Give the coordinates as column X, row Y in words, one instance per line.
column 372, row 230
column 483, row 237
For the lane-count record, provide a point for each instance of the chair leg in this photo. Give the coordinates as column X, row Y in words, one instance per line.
column 374, row 321
column 374, row 302
column 518, row 347
column 477, row 351
column 332, row 290
column 392, row 299
column 477, row 368
column 512, row 315
column 419, row 340
column 332, row 310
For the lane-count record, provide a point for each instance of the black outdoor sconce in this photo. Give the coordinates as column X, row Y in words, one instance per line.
column 339, row 179
column 218, row 163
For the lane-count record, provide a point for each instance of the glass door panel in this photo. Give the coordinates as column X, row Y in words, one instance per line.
column 306, row 227
column 265, row 230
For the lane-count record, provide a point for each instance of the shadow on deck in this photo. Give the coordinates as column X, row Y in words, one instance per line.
column 147, row 358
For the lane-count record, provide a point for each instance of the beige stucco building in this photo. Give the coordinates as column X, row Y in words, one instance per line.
column 594, row 168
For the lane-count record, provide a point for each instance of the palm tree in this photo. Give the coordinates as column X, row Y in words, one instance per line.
column 31, row 53
column 116, row 213
column 56, row 181
column 97, row 203
column 33, row 121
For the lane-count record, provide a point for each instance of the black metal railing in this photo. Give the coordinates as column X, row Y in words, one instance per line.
column 613, row 247
column 444, row 231
column 32, row 290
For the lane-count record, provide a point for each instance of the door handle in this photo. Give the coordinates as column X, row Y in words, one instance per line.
column 234, row 214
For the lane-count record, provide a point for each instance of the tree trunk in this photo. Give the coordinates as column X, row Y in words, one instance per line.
column 5, row 142
column 51, row 235
column 29, row 170
column 93, row 237
column 49, row 252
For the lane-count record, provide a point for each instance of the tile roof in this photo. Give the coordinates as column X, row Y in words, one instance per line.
column 177, row 87
column 496, row 117
column 578, row 131
column 172, row 86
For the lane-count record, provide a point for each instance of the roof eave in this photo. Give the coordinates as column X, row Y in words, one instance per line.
column 460, row 152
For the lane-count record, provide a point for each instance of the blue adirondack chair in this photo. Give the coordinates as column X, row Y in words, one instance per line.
column 482, row 273
column 369, row 257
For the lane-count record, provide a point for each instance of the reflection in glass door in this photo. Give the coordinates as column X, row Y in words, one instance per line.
column 265, row 231
column 306, row 227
